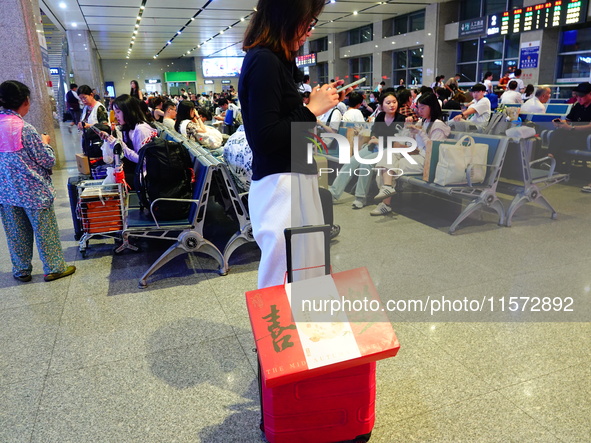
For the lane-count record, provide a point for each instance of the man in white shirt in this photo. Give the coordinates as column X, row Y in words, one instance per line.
column 535, row 105
column 479, row 111
column 511, row 95
column 520, row 84
column 353, row 114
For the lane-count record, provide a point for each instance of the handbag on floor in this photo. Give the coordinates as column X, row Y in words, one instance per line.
column 454, row 160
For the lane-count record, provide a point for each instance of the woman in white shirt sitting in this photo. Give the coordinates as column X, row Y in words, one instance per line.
column 132, row 133
column 429, row 127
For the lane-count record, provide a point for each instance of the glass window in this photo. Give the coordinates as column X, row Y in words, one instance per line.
column 361, row 67
column 415, row 57
column 575, row 66
column 576, row 40
column 494, row 6
column 361, row 35
column 319, row 45
column 408, row 65
column 416, row 21
column 492, row 48
column 469, row 9
column 400, row 60
column 494, row 67
column 400, row 25
column 322, row 70
column 468, row 72
column 468, row 51
column 415, row 76
column 512, row 46
column 510, row 66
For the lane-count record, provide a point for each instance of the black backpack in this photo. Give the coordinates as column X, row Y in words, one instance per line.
column 165, row 170
column 91, row 142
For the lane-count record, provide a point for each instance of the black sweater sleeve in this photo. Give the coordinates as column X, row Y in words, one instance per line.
column 270, row 104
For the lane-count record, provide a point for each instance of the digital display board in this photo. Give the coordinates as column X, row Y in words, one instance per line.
column 306, row 60
column 222, row 66
column 541, row 16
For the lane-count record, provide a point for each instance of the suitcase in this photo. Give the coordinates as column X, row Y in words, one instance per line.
column 335, row 407
column 73, row 195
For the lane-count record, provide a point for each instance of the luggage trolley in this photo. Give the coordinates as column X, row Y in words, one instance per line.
column 102, row 210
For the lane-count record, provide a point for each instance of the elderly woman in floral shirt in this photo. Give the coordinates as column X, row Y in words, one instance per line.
column 26, row 191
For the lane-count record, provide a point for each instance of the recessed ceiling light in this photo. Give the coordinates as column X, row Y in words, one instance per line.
column 63, row 5
column 354, row 12
column 241, row 19
column 74, row 25
column 79, row 35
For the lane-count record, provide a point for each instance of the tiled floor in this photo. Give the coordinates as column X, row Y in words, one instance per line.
column 92, row 358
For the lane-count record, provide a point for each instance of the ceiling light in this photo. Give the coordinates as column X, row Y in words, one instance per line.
column 222, row 31
column 137, row 26
column 354, row 12
column 79, row 35
column 138, row 17
column 63, row 5
column 154, row 57
column 241, row 19
column 74, row 25
column 135, row 32
column 178, row 33
column 192, row 18
column 142, row 7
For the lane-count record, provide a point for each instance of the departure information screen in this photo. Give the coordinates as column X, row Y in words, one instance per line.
column 544, row 15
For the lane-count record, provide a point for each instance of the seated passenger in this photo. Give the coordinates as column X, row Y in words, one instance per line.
column 385, row 127
column 430, row 127
column 511, row 95
column 132, row 133
column 169, row 119
column 536, row 104
column 479, row 111
column 189, row 124
column 353, row 113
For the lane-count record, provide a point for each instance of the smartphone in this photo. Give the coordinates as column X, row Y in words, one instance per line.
column 358, row 82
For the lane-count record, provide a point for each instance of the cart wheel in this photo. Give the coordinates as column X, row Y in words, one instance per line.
column 362, row 438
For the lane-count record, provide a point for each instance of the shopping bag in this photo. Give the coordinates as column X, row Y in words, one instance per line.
column 454, row 159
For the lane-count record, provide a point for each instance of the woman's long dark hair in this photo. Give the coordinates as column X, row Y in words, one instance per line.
column 183, row 112
column 276, row 24
column 434, row 107
column 13, row 94
column 135, row 92
column 132, row 111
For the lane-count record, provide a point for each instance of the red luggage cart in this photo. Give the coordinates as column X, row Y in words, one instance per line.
column 301, row 402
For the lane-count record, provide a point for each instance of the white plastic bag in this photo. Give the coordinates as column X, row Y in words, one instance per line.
column 454, row 159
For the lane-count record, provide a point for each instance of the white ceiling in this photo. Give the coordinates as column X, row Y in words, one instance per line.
column 112, row 22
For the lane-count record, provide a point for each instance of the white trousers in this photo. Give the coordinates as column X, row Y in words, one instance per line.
column 281, row 201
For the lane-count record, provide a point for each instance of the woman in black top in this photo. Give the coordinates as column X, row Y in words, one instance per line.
column 284, row 190
column 135, row 90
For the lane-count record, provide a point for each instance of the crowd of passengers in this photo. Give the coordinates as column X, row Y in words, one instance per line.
column 420, row 113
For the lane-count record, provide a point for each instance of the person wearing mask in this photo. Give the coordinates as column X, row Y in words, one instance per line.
column 132, row 133
column 135, row 90
column 26, row 190
column 73, row 104
column 452, row 84
column 384, row 126
column 536, row 104
column 169, row 118
column 479, row 111
column 511, row 95
column 284, row 190
column 430, row 127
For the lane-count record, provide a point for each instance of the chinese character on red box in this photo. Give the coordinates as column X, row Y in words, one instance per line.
column 320, row 325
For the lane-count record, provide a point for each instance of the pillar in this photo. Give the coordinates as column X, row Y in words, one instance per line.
column 20, row 52
column 85, row 61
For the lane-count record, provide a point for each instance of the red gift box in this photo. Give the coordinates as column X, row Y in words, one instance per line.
column 294, row 343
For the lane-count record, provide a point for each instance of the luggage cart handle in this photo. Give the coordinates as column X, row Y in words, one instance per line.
column 290, row 232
